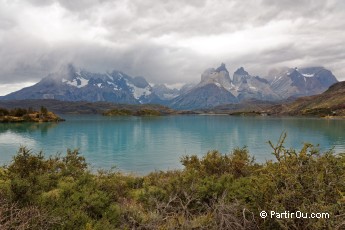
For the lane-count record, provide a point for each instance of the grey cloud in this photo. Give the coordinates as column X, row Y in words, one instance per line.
column 31, row 61
column 314, row 36
column 70, row 5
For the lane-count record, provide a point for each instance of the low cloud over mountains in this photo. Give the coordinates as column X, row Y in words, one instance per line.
column 167, row 41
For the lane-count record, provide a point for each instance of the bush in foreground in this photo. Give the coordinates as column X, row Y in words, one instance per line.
column 216, row 191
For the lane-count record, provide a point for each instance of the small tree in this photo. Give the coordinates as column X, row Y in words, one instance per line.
column 44, row 111
column 3, row 112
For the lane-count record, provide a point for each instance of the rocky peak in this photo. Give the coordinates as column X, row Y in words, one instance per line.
column 240, row 76
column 222, row 67
column 241, row 71
column 219, row 77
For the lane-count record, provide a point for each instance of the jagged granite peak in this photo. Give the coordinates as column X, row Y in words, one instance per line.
column 240, row 76
column 241, row 71
column 252, row 87
column 222, row 67
column 216, row 84
column 214, row 89
column 220, row 77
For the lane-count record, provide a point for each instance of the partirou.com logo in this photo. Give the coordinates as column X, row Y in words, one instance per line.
column 297, row 214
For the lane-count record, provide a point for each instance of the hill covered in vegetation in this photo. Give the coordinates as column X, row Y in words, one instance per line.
column 216, row 191
column 28, row 115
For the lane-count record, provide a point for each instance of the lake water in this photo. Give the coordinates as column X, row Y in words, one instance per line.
column 145, row 144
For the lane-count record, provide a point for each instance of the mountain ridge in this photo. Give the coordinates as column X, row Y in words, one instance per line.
column 216, row 87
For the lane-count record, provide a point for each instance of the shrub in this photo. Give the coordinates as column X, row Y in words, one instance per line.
column 217, row 191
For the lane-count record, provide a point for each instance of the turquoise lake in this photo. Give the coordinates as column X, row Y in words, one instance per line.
column 144, row 144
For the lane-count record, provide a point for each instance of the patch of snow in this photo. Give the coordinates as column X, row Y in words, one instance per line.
column 138, row 92
column 308, row 75
column 84, row 82
column 74, row 82
column 99, row 85
column 217, row 84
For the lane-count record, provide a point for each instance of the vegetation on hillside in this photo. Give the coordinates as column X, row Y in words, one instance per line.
column 216, row 191
column 126, row 112
column 27, row 115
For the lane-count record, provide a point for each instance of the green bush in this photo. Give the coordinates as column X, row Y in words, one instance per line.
column 215, row 191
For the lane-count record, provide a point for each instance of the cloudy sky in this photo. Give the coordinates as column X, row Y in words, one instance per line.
column 170, row 41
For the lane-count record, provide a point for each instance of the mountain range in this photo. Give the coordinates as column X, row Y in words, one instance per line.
column 71, row 85
column 216, row 87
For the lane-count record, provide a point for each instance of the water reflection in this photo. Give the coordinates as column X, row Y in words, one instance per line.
column 143, row 144
column 15, row 135
column 27, row 127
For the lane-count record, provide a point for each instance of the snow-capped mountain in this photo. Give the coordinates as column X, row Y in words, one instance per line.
column 70, row 84
column 303, row 82
column 216, row 87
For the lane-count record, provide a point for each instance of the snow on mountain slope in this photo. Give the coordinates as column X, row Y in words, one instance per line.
column 70, row 84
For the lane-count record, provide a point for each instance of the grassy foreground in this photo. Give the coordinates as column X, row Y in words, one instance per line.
column 214, row 192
